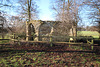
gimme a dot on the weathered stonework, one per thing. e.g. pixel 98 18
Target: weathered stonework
pixel 48 28
pixel 2 21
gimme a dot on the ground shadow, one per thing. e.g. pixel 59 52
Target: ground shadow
pixel 70 51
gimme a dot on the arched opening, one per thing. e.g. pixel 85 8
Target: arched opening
pixel 31 31
pixel 44 30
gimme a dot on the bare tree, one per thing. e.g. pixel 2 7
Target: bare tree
pixel 4 3
pixel 28 9
pixel 17 25
pixel 95 12
pixel 68 13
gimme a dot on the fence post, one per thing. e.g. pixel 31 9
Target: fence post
pixel 51 33
pixel 18 41
pixel 13 37
pixel 51 41
pixel 92 44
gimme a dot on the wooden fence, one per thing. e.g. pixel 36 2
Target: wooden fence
pixel 69 40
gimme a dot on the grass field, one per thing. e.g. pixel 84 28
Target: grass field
pixel 18 57
pixel 94 34
pixel 7 36
pixel 25 58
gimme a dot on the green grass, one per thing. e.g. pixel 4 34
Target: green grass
pixel 94 34
pixel 5 41
pixel 47 59
pixel 7 36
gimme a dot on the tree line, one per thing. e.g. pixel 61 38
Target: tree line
pixel 66 11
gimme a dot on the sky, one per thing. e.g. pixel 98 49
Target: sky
pixel 46 13
pixel 45 10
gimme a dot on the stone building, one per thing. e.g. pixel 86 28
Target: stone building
pixel 2 22
pixel 45 29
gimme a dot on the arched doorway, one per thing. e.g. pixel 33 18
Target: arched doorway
pixel 31 31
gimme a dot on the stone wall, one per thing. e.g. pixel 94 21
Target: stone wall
pixel 48 28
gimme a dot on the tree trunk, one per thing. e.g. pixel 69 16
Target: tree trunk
pixel 99 30
pixel 99 24
pixel 63 15
pixel 76 29
pixel 27 31
pixel 28 35
pixel 2 32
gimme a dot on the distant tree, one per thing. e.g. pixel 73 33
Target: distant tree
pixel 95 12
pixel 68 13
pixel 81 28
pixel 17 25
pixel 4 12
pixel 28 9
pixel 92 28
pixel 4 3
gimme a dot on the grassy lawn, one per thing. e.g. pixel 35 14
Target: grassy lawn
pixel 95 34
pixel 4 42
pixel 25 58
pixel 7 36
pixel 51 59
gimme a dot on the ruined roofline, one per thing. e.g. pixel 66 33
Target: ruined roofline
pixel 97 21
pixel 43 21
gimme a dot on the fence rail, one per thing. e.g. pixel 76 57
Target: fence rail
pixel 57 38
pixel 89 40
